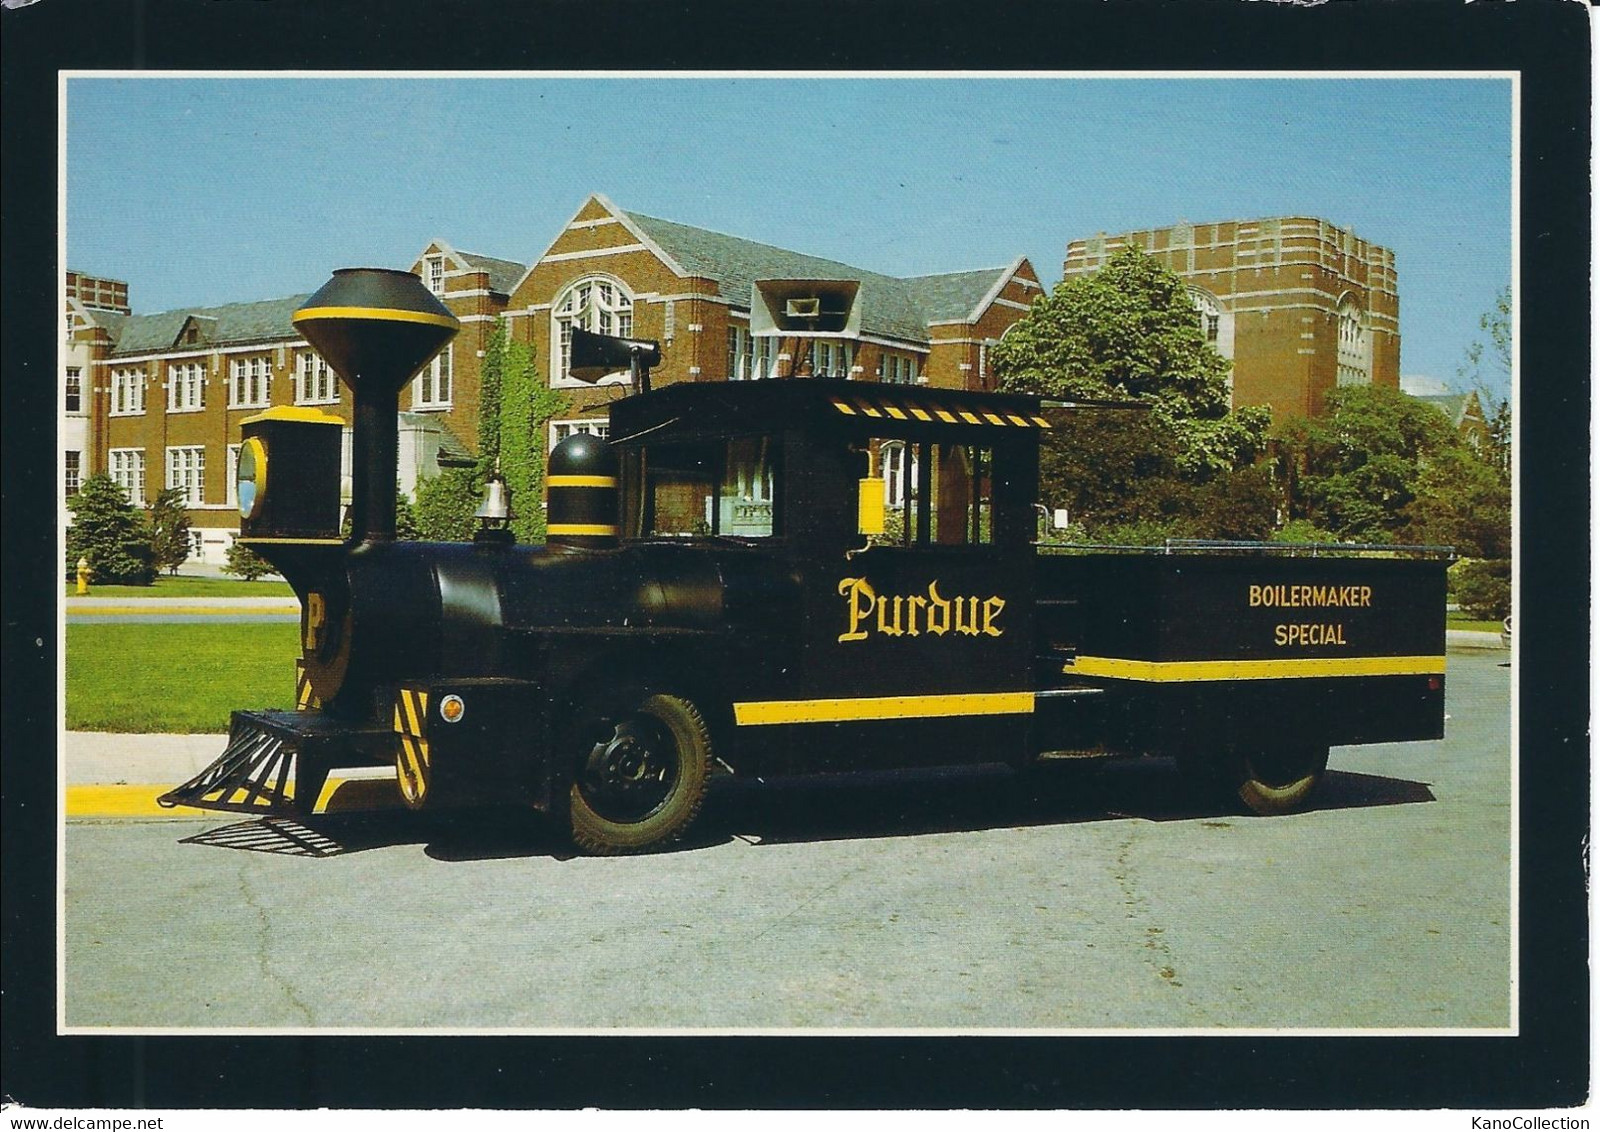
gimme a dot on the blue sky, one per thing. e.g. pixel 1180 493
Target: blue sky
pixel 205 191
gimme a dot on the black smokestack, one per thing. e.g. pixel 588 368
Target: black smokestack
pixel 376 327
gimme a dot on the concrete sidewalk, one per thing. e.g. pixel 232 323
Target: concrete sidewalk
pixel 120 776
pixel 1473 639
pixel 156 604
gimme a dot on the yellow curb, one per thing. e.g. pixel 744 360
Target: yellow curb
pixel 162 610
pixel 123 800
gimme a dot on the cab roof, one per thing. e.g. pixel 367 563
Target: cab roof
pixel 703 410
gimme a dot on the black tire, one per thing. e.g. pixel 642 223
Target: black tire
pixel 639 773
pixel 1268 783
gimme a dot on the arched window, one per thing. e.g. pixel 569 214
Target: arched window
pixel 598 303
pixel 1210 313
pixel 1355 366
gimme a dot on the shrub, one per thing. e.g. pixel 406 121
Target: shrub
pixel 246 563
pixel 1483 587
pixel 111 533
pixel 445 505
pixel 169 530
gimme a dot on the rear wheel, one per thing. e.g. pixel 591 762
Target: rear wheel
pixel 640 775
pixel 1274 781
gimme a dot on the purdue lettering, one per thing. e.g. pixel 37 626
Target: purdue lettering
pixel 902 615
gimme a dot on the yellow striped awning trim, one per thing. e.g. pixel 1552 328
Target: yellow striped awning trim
pixel 1166 671
pixel 930 410
pixel 581 481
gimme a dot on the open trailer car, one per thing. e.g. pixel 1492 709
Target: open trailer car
pixel 730 588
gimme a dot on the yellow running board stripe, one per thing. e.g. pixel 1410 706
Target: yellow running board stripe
pixel 882 707
pixel 1117 668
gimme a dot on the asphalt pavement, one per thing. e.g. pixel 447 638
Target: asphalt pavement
pixel 962 901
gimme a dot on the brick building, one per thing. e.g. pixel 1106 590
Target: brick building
pixel 93 310
pixel 170 389
pixel 730 309
pixel 1299 305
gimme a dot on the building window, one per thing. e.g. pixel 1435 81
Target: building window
pixel 560 430
pixel 74 471
pixel 186 387
pixel 431 389
pixel 197 544
pixel 598 304
pixel 764 357
pixel 1354 367
pixel 1213 327
pixel 314 380
pixel 898 472
pixel 73 390
pixel 831 359
pixel 232 482
pixel 433 272
pixel 738 353
pixel 127 392
pixel 898 369
pixel 250 383
pixel 186 471
pixel 127 472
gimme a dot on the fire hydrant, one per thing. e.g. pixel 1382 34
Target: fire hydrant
pixel 83 575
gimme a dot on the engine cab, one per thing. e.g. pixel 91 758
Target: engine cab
pixel 904 517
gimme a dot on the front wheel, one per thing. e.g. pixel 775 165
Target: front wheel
pixel 640 775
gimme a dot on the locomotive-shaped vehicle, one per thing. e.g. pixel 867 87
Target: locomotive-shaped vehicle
pixel 727 588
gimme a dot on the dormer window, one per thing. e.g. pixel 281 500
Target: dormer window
pixel 433 273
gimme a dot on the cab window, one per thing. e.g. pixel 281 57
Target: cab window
pixel 711 488
pixel 935 494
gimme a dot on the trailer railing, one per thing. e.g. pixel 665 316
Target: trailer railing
pixel 1282 549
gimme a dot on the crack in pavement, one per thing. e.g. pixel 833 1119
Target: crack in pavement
pixel 1160 955
pixel 262 948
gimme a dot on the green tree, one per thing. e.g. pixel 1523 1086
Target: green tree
pixel 111 533
pixel 169 530
pixel 1131 331
pixel 1486 370
pixel 1463 502
pixel 1482 587
pixel 1354 470
pixel 245 563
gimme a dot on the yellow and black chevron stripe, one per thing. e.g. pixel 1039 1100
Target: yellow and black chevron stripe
pixel 413 766
pixel 932 410
pixel 304 698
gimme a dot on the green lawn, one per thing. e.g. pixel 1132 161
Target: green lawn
pixel 1455 619
pixel 182 678
pixel 182 586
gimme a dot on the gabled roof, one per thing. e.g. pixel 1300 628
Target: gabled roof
pixel 897 308
pixel 452 453
pixel 109 321
pixel 235 324
pixel 503 273
pixel 1453 405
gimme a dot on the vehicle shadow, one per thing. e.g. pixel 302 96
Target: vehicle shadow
pixel 956 801
pixel 823 808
